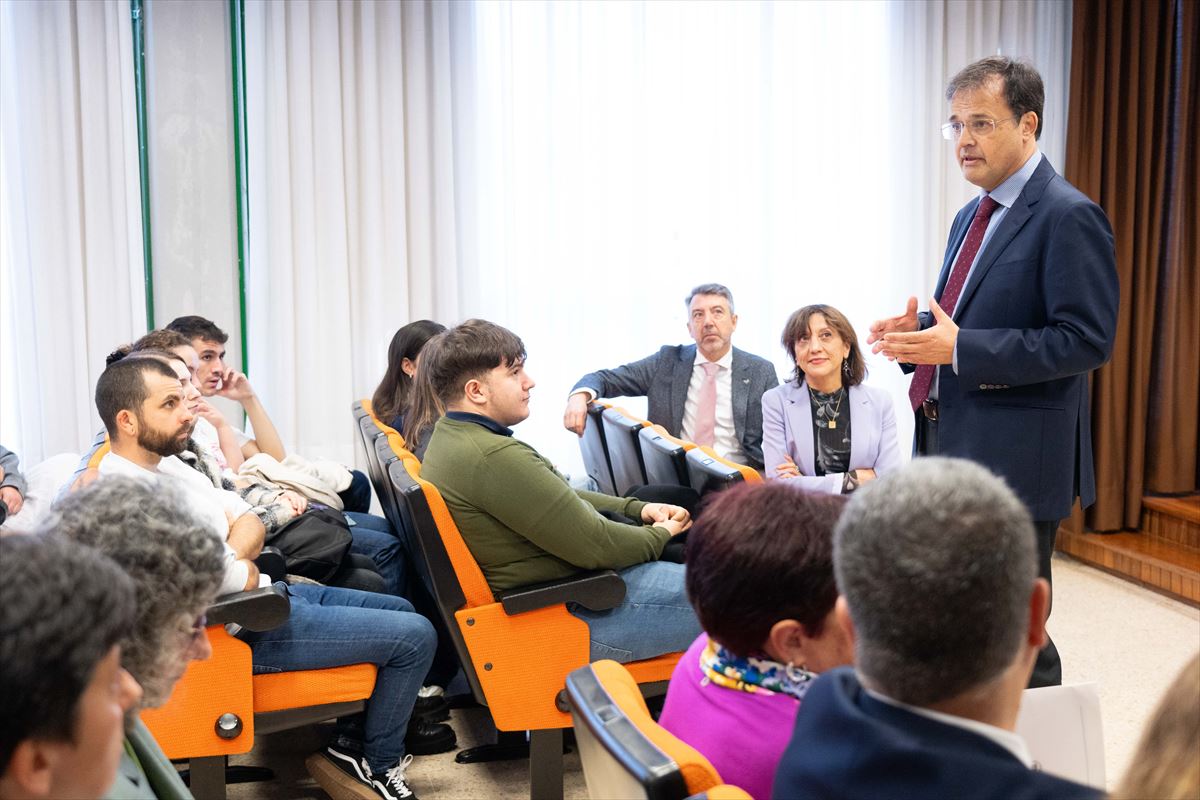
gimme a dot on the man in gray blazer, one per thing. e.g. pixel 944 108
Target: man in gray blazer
pixel 679 379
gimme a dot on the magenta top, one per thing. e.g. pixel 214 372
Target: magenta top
pixel 743 734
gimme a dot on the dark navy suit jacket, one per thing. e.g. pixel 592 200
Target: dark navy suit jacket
pixel 1037 315
pixel 848 745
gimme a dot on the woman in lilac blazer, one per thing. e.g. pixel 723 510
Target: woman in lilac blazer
pixel 824 429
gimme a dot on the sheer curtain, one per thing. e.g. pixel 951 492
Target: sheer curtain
pixel 615 154
pixel 70 216
pixel 351 204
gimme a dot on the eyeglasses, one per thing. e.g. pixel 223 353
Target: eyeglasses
pixel 980 128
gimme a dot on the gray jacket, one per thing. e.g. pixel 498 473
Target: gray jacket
pixel 12 474
pixel 663 380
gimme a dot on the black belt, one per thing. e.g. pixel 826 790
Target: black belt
pixel 930 409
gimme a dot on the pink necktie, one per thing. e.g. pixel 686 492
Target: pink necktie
pixel 706 406
pixel 918 390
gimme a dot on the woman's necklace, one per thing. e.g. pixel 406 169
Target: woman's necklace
pixel 832 415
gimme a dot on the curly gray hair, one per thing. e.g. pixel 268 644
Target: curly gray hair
pixel 174 560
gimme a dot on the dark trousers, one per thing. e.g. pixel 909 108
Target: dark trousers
pixel 1047 670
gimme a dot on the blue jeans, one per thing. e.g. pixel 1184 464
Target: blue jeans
pixel 373 537
pixel 655 617
pixel 331 627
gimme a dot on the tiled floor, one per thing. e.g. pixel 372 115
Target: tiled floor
pixel 1129 640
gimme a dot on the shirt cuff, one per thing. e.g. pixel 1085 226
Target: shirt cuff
pixel 589 392
pixel 954 358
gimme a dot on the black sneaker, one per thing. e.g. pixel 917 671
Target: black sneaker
pixel 348 756
pixel 424 738
pixel 391 784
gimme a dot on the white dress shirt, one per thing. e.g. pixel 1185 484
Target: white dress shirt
pixel 725 441
pixel 1010 741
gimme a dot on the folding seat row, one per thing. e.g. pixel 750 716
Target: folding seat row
pixel 621 451
pixel 516 647
pixel 219 706
pixel 624 752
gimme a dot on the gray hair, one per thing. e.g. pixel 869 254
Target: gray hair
pixel 709 288
pixel 174 560
pixel 1023 88
pixel 936 563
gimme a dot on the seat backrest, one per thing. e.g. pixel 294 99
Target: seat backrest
pixel 624 752
pixel 1061 725
pixel 664 456
pixel 708 472
pixel 368 430
pixel 624 453
pixel 457 581
pixel 595 449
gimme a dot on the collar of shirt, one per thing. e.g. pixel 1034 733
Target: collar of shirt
pixel 1010 741
pixel 725 362
pixel 1006 193
pixel 480 419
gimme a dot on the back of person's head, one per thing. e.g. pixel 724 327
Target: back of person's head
pixel 174 560
pixel 424 407
pixel 1166 765
pixel 937 563
pixel 64 609
pixel 392 395
pixel 122 386
pixel 162 340
pixel 759 554
pixel 469 351
pixel 194 327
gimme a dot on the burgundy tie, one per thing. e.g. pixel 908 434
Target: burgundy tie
pixel 918 390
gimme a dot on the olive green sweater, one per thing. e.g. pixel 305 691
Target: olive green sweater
pixel 520 518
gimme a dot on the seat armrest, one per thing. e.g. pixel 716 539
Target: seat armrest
pixel 597 591
pixel 271 562
pixel 258 609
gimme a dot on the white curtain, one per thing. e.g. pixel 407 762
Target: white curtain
pixel 351 216
pixel 70 216
pixel 622 152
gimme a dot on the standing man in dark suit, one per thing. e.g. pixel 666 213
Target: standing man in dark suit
pixel 937 572
pixel 1025 308
pixel 709 393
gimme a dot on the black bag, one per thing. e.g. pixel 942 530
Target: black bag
pixel 315 544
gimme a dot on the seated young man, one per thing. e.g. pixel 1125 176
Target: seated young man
pixel 216 379
pixel 64 610
pixel 522 521
pixel 142 402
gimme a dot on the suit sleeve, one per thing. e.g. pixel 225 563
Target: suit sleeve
pixel 12 472
pixel 888 458
pixel 774 438
pixel 1080 292
pixel 628 380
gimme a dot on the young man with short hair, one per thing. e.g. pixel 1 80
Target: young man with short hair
pixel 521 519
